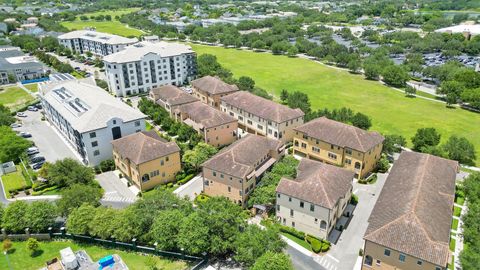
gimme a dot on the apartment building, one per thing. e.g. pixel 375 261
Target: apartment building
pixel 170 97
pixel 146 65
pixel 339 144
pixel 16 66
pixel 216 128
pixel 235 171
pixel 88 117
pixel 261 116
pixel 210 89
pixel 146 159
pixel 409 227
pixel 315 199
pixel 82 41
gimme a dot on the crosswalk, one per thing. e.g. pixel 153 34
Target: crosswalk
pixel 115 197
pixel 326 262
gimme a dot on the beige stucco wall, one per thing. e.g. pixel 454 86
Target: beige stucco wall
pixel 210 100
pixel 221 135
pixel 392 262
pixel 218 184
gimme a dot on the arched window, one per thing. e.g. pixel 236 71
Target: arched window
pixel 357 165
pixel 368 260
pixel 323 224
pixel 145 177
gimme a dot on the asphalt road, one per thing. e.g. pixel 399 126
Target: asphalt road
pixel 302 262
pixel 191 189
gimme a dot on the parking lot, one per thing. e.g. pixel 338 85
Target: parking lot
pixel 46 139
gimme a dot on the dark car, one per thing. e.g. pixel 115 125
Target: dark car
pixel 38 165
pixel 25 134
pixel 38 105
pixel 37 159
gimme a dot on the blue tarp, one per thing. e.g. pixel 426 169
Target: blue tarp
pixel 106 261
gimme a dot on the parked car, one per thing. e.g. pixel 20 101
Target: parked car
pixel 38 165
pixel 21 114
pixel 38 106
pixel 32 151
pixel 24 134
pixel 32 108
pixel 37 159
pixel 16 125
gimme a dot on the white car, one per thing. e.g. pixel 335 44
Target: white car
pixel 21 114
pixel 32 151
pixel 32 108
pixel 16 125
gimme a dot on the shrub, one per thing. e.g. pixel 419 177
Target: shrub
pixel 201 198
pixel 292 231
pixel 325 246
pixel 185 179
pixel 354 199
pixel 360 252
pixel 107 165
pixel 314 243
pixel 169 185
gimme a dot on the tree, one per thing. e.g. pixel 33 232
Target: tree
pixel 79 219
pixel 67 172
pixel 14 219
pixel 40 215
pixel 472 97
pixel 382 165
pixel 199 154
pixel 425 137
pixel 371 70
pixel 354 64
pixel 395 76
pixel 362 121
pixel 299 100
pixel 76 195
pixel 193 234
pixel 102 225
pixel 254 242
pixel 7 245
pixel 259 45
pixel 450 87
pixel 292 51
pixel 410 91
pixel 284 95
pixel 460 149
pixel 207 65
pixel 393 143
pixel 451 99
pixel 246 83
pixel 273 261
pixel 165 228
pixel 6 118
pixel 32 245
pixel 12 146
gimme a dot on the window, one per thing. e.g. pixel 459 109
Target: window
pixel 348 151
pixel 368 260
pixel 229 189
pixel 249 122
pixel 419 262
pixel 316 220
pixel 332 156
pixel 291 212
pixel 379 262
pixel 323 225
pixel 348 161
pixel 94 144
pixel 302 204
pixel 221 175
pixel 289 199
pixel 93 134
pixel 312 207
pixel 96 153
pixel 214 173
pixel 278 195
pixel 438 268
pixel 304 145
pixel 161 162
pixel 386 252
pixel 293 224
pixel 260 127
pixel 137 123
pixel 401 257
pixel 166 159
pixel 315 149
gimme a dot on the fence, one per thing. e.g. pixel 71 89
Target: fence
pixel 133 246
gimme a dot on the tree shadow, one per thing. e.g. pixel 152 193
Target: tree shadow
pixel 410 96
pixel 11 251
pixel 36 253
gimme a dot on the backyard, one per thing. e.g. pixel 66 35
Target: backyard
pixel 327 87
pixel 113 27
pixel 32 87
pixel 14 97
pixel 14 181
pixel 20 257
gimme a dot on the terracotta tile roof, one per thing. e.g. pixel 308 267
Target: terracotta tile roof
pixel 318 183
pixel 240 158
pixel 205 115
pixel 413 213
pixel 261 107
pixel 213 85
pixel 144 146
pixel 341 134
pixel 171 95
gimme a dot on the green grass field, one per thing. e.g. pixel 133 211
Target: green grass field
pixel 13 180
pixel 391 111
pixel 454 224
pixel 112 27
pixel 20 257
pixel 14 97
pixel 457 211
pixel 32 87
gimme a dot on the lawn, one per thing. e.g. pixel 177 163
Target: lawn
pixel 14 180
pixel 391 111
pixel 452 243
pixel 454 224
pixel 299 241
pixel 457 211
pixel 20 257
pixel 32 87
pixel 14 97
pixel 112 27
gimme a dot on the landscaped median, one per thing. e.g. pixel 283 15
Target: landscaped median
pixel 17 181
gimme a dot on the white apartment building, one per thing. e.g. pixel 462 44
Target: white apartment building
pixel 261 116
pixel 146 65
pixel 98 43
pixel 88 117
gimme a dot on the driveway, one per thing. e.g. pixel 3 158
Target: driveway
pixel 90 69
pixel 117 194
pixel 191 189
pixel 50 143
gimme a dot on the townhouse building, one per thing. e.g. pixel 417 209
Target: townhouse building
pixel 170 97
pixel 216 128
pixel 315 199
pixel 146 159
pixel 16 66
pixel 210 89
pixel 88 118
pixel 235 171
pixel 409 227
pixel 82 41
pixel 339 144
pixel 146 65
pixel 261 116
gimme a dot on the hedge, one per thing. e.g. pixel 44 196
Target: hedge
pixel 318 245
pixel 186 179
pixel 292 231
pixel 40 192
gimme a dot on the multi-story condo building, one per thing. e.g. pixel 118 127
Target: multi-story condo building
pixel 170 97
pixel 217 128
pixel 235 170
pixel 315 199
pixel 88 117
pixel 210 89
pixel 409 227
pixel 82 41
pixel 261 116
pixel 339 144
pixel 16 66
pixel 147 65
pixel 146 159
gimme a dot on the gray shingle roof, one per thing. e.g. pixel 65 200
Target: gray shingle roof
pixel 213 85
pixel 413 213
pixel 144 146
pixel 317 183
pixel 341 134
pixel 205 115
pixel 172 95
pixel 239 158
pixel 262 107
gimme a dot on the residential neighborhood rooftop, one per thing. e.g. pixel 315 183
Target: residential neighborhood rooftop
pixel 98 37
pixel 240 158
pixel 205 115
pixel 172 95
pixel 213 85
pixel 341 134
pixel 318 183
pixel 138 50
pixel 413 214
pixel 262 107
pixel 144 146
pixel 13 57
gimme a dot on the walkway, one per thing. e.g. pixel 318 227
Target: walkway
pixel 458 237
pixel 191 189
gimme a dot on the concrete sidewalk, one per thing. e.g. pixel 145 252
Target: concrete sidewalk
pixel 191 189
